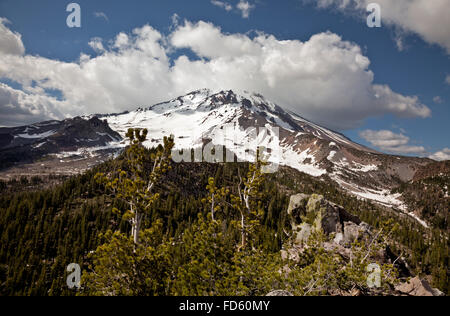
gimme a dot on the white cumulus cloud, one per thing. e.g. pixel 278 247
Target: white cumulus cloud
pixel 10 42
pixel 96 44
pixel 442 155
pixel 18 107
pixel 325 79
pixel 430 19
pixel 391 142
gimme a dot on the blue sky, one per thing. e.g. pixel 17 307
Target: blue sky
pixel 419 69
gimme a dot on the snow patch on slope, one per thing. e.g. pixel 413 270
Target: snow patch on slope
pixel 36 136
pixel 418 219
pixel 90 151
pixel 298 161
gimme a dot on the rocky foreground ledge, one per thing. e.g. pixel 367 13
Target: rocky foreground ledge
pixel 312 213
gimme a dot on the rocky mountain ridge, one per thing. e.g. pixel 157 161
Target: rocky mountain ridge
pixel 26 144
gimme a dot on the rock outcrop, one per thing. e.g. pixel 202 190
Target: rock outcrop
pixel 310 213
pixel 418 287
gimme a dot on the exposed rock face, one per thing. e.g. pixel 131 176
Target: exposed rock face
pixel 418 287
pixel 296 205
pixel 431 170
pixel 312 213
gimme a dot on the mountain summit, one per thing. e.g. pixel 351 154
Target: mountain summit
pixel 305 146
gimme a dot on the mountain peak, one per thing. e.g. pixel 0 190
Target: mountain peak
pixel 202 116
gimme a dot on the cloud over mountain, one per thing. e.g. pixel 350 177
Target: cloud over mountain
pixel 441 155
pixel 391 142
pixel 326 79
pixel 17 106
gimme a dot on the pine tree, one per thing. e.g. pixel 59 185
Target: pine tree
pixel 122 268
pixel 246 202
pixel 132 185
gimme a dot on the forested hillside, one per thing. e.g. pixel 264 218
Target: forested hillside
pixel 43 231
pixel 428 198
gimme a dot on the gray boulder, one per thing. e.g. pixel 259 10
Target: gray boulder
pixel 309 213
pixel 353 232
pixel 418 287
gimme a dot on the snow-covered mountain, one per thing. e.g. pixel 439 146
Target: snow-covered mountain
pixel 224 118
pixel 305 146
